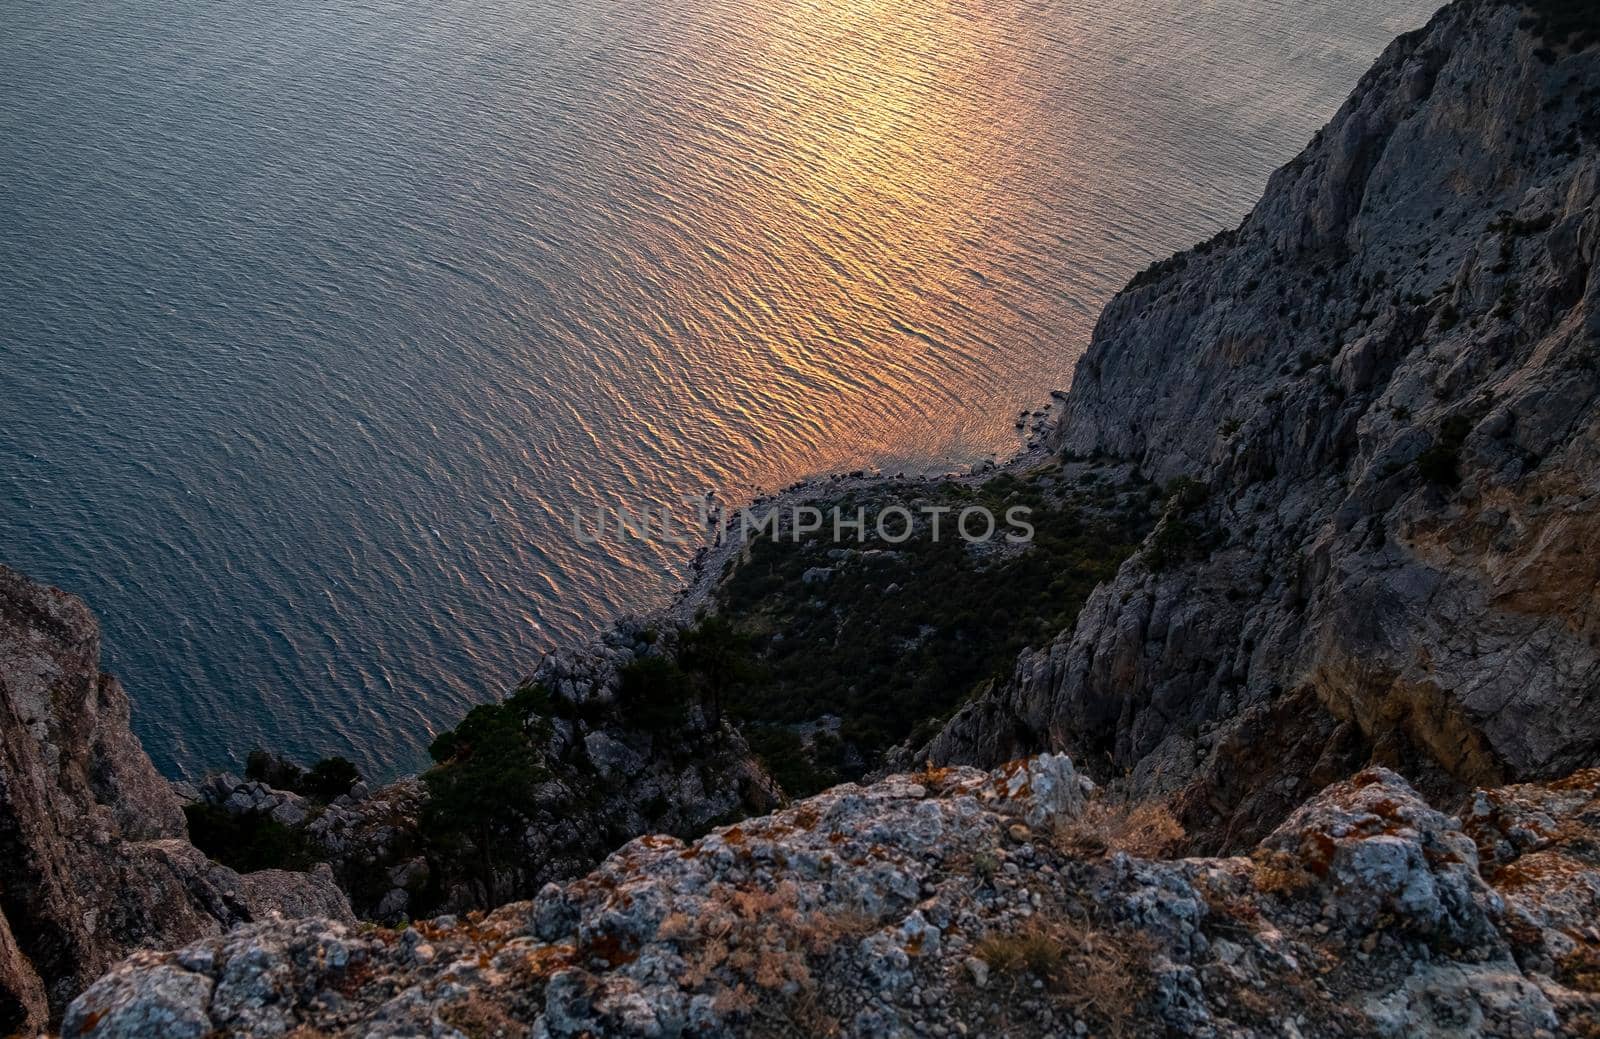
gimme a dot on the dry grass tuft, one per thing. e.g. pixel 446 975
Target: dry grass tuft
pixel 1033 950
pixel 757 948
pixel 1580 969
pixel 1279 873
pixel 1099 975
pixel 1147 830
pixel 799 1017
pixel 479 1018
pixel 933 777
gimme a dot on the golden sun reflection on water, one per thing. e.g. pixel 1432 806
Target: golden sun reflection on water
pixel 837 243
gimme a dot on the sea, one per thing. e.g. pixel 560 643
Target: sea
pixel 323 323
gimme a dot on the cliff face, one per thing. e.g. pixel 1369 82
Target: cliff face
pixel 1382 386
pixel 94 860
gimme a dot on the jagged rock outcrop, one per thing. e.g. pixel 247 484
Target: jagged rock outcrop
pixel 605 776
pixel 949 902
pixel 677 778
pixel 1381 392
pixel 93 856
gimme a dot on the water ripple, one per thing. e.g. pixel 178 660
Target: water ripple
pixel 318 318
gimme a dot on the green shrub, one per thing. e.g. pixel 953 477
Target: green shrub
pixel 324 781
pixel 330 778
pixel 656 694
pixel 893 663
pixel 248 841
pixel 483 785
pixel 1179 537
pixel 1175 540
pixel 784 755
pixel 1186 494
pixel 263 766
pixel 720 659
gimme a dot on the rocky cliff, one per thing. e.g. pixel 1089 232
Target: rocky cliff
pixel 1372 410
pixel 1374 403
pixel 94 860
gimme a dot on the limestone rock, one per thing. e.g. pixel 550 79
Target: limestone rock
pixel 903 908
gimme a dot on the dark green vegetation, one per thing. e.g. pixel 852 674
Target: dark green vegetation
pixel 1159 270
pixel 655 694
pixel 1179 536
pixel 501 773
pixel 330 778
pixel 713 658
pixel 1564 23
pixel 247 842
pixel 719 659
pixel 324 781
pixel 894 637
pixel 482 790
pixel 253 840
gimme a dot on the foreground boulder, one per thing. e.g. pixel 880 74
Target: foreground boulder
pixel 958 902
pixel 94 860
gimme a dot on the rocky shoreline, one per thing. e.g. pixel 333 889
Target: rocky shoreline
pixel 711 562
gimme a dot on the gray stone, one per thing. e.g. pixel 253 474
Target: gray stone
pixel 159 1000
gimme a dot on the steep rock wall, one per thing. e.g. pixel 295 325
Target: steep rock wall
pixel 1385 379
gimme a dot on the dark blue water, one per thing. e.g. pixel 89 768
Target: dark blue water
pixel 317 318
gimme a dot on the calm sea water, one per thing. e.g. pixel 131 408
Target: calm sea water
pixel 318 317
